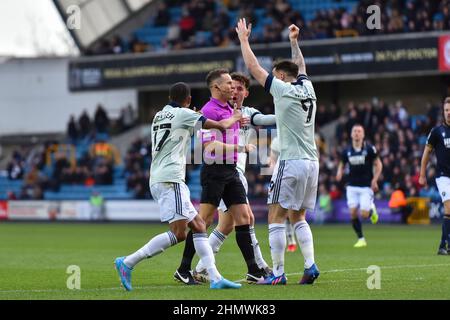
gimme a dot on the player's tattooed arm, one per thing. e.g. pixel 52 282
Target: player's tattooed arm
pixel 297 56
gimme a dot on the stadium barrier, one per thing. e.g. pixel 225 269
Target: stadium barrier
pixel 339 214
pixel 413 54
pixel 116 210
pixel 148 210
pixel 3 210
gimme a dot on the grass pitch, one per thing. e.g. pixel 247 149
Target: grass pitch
pixel 34 258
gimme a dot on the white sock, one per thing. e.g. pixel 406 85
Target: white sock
pixel 257 250
pixel 277 241
pixel 203 249
pixel 216 239
pixel 305 241
pixel 154 247
pixel 290 233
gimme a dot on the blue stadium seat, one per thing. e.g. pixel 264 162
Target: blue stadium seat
pixel 234 15
pixel 203 37
pixel 175 13
pixel 308 8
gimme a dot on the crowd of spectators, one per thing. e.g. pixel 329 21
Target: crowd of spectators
pixel 27 164
pixel 101 124
pixel 208 23
pixel 137 168
pixel 48 166
pixel 85 158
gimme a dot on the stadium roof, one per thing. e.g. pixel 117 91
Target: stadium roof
pixel 97 17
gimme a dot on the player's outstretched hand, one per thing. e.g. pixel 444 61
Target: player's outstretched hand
pixel 294 31
pixel 243 30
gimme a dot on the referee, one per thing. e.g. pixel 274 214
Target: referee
pixel 220 178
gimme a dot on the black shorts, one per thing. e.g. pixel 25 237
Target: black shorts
pixel 221 181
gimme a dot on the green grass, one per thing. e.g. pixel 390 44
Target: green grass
pixel 34 259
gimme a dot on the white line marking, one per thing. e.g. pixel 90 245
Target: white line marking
pixel 364 269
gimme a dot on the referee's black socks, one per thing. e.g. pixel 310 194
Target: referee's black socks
pixel 244 242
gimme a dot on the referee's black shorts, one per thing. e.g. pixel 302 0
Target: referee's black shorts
pixel 221 181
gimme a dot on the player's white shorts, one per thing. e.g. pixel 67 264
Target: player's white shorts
pixel 361 197
pixel 222 205
pixel 443 184
pixel 294 184
pixel 174 200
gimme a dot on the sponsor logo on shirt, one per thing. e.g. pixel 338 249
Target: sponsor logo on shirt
pixel 164 115
pixel 357 160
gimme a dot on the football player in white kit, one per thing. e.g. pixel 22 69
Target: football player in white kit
pixel 294 182
pixel 171 129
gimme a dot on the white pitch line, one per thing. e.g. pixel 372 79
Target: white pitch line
pixel 365 269
pixel 241 280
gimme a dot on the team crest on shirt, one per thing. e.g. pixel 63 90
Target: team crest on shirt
pixel 443 193
pixel 447 142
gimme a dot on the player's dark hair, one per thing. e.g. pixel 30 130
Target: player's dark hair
pixel 358 125
pixel 287 66
pixel 214 75
pixel 242 78
pixel 179 92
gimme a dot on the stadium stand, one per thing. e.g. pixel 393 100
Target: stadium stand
pixel 181 25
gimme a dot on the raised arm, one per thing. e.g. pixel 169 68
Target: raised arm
pixel 297 56
pixel 249 57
